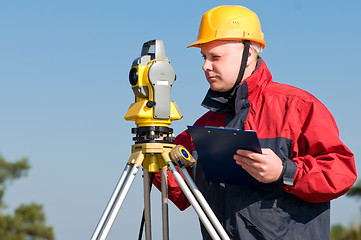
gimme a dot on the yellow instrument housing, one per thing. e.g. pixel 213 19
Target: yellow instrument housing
pixel 143 115
pixel 152 77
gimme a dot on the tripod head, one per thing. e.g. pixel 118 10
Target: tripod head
pixel 152 77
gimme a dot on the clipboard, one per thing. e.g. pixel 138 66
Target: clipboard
pixel 216 148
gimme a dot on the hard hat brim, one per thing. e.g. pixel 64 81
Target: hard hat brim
pixel 199 43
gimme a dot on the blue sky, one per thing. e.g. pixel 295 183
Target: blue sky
pixel 64 92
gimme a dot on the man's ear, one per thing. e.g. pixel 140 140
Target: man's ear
pixel 252 56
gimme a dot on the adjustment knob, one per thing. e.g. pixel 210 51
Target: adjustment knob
pixel 150 104
pixel 180 156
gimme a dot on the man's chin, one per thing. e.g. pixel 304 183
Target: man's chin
pixel 218 89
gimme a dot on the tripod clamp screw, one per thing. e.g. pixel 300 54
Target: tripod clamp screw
pixel 181 157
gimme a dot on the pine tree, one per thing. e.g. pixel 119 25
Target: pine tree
pixel 28 221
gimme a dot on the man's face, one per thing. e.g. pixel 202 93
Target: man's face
pixel 222 60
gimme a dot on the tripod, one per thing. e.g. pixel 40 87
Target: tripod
pixel 156 155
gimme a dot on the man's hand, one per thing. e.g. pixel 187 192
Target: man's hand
pixel 266 167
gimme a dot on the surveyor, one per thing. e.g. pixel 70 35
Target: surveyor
pixel 303 164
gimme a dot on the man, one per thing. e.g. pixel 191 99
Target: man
pixel 303 164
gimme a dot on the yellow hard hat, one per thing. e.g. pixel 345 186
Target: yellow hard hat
pixel 229 22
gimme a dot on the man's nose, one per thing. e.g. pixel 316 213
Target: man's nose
pixel 207 65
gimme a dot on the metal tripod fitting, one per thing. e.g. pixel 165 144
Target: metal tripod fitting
pixel 152 152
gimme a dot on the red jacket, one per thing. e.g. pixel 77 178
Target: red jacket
pixel 301 131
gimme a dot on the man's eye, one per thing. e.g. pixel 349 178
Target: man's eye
pixel 212 58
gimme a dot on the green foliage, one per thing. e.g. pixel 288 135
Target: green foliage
pixel 28 221
pixel 9 172
pixel 353 231
pixel 339 232
pixel 355 191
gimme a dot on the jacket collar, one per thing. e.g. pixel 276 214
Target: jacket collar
pixel 256 83
pixel 249 89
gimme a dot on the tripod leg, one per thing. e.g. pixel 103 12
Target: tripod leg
pixel 115 202
pixel 202 216
pixel 217 225
pixel 164 188
pixel 111 202
pixel 147 218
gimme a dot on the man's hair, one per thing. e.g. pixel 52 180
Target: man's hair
pixel 256 46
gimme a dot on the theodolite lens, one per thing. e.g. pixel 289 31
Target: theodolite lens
pixel 133 76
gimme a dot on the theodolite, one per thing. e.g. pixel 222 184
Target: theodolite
pixel 152 77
